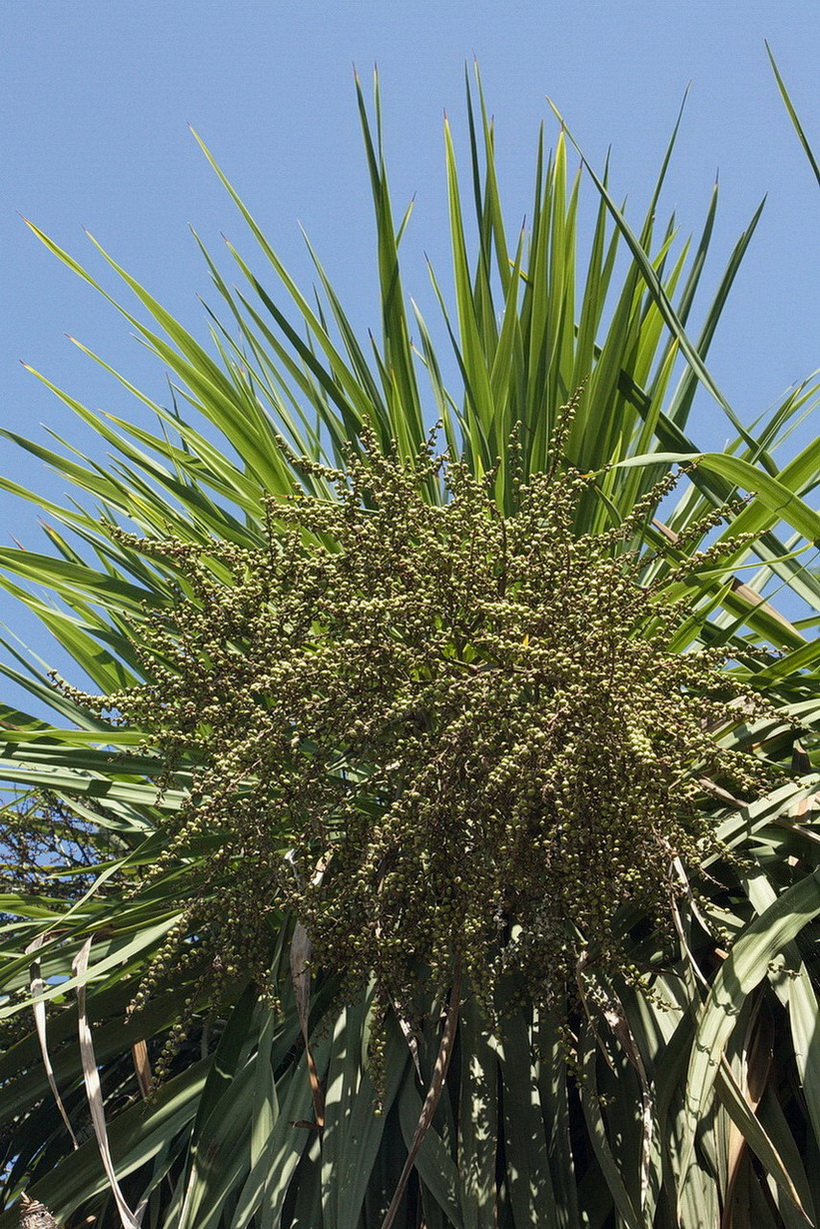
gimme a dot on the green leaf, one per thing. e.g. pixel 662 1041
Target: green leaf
pixel 744 969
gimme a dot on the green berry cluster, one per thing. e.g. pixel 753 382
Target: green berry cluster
pixel 432 730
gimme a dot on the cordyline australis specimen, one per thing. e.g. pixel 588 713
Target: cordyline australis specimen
pixel 434 732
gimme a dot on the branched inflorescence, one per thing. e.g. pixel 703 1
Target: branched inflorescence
pixel 431 731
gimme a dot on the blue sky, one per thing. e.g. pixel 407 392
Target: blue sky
pixel 98 96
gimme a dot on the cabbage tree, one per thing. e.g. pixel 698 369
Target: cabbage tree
pixel 424 832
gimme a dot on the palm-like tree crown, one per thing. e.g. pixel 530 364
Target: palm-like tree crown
pixel 441 831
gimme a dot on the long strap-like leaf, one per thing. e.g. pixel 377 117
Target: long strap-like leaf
pixel 300 953
pixel 91 1078
pixel 39 1008
pixel 445 1053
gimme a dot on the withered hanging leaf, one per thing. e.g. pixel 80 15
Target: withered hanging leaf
pixel 39 1006
pixel 300 953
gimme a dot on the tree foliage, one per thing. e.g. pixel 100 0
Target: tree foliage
pixel 358 729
